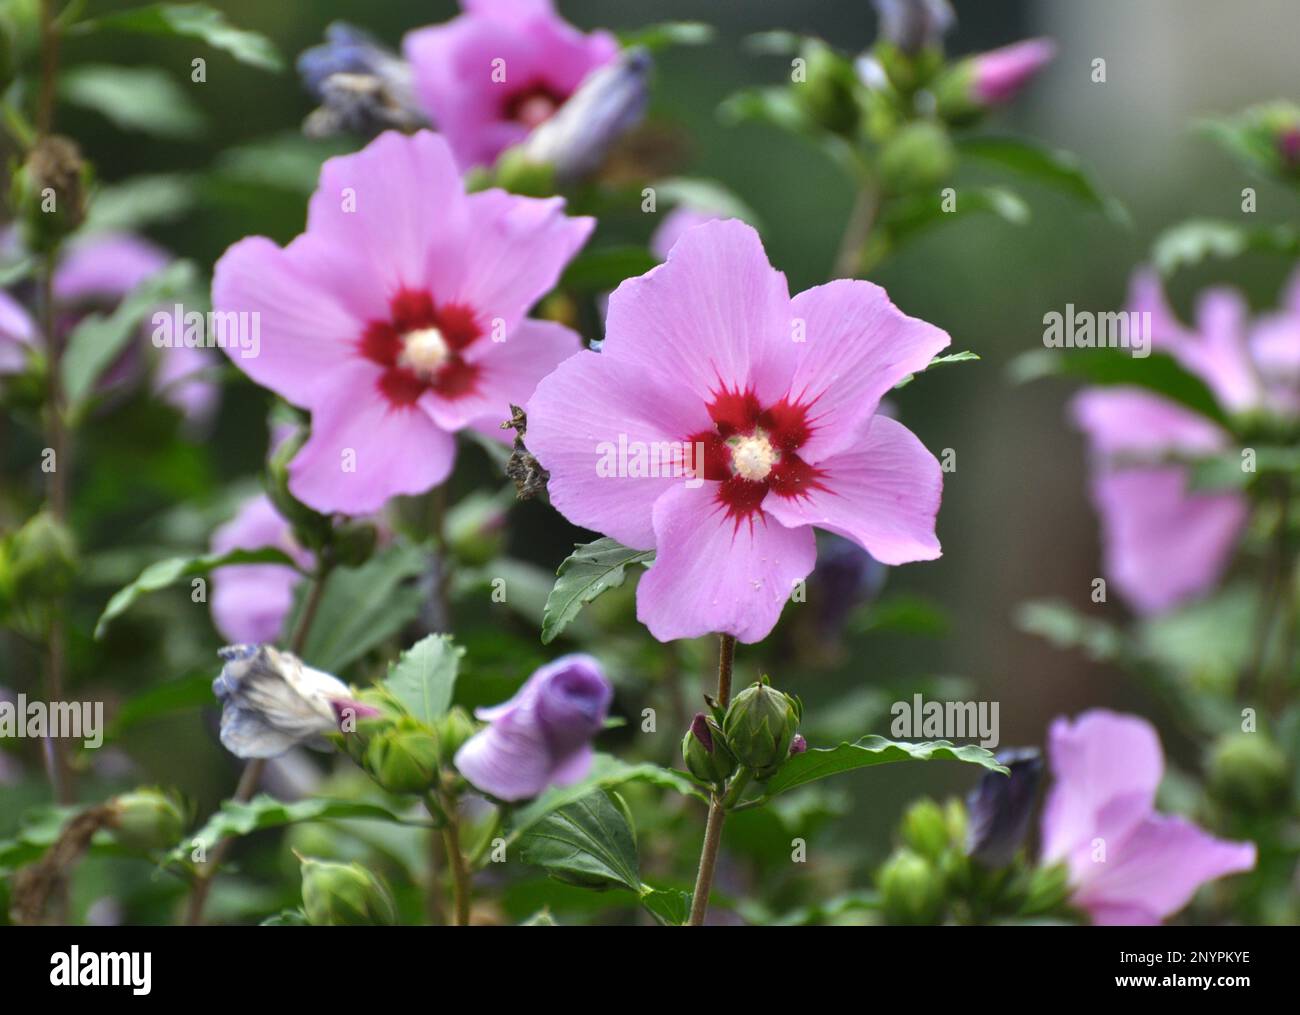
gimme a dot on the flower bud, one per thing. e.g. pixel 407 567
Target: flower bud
pixel 454 730
pixel 41 558
pixel 913 25
pixel 798 745
pixel 706 753
pixel 354 543
pixel 759 727
pixel 1000 807
pixel 344 895
pixel 311 529
pixel 911 889
pixel 828 93
pixel 146 819
pixel 49 192
pixel 476 529
pixel 990 79
pixel 1248 772
pixel 1288 149
pixel 920 156
pixel 925 829
pixel 403 758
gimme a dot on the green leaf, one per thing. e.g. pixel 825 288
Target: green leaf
pixel 821 763
pixel 603 270
pixel 286 161
pixel 1190 243
pixel 705 196
pixel 286 918
pixel 939 361
pixel 1056 169
pixel 98 340
pixel 1158 372
pixel 1227 471
pixel 134 98
pixel 163 699
pixel 140 201
pixel 1064 627
pixel 670 906
pixel 235 819
pixel 194 21
pixel 589 842
pixel 607 772
pixel 907 218
pixel 167 572
pixel 362 607
pixel 668 33
pixel 424 678
pixel 586 573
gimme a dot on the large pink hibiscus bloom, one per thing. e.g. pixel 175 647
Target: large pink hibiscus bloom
pixel 397 318
pixel 490 76
pixel 710 351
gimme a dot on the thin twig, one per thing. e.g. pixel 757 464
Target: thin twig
pixel 717 812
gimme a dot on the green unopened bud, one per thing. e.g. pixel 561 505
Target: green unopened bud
pixel 1248 772
pixel 925 829
pixel 41 558
pixel 827 94
pixel 476 529
pixel 759 726
pixel 311 529
pixel 706 753
pixel 920 156
pixel 404 758
pixel 911 889
pixel 49 192
pixel 454 729
pixel 344 895
pixel 146 819
pixel 354 543
pixel 1047 890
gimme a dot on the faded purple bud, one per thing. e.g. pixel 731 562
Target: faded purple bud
pixel 1288 148
pixel 914 25
pixel 1001 74
pixel 542 736
pixel 271 701
pixel 700 728
pixel 1000 807
pixel 798 745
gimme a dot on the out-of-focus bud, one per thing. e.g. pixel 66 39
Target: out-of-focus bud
pixel 49 192
pixel 1248 772
pixel 311 529
pixel 919 157
pixel 798 745
pixel 403 758
pixel 705 752
pixel 1000 807
pixel 914 25
pixel 476 528
pixel 41 558
pixel 759 727
pixel 990 79
pixel 911 889
pixel 364 87
pixel 925 829
pixel 846 577
pixel 146 819
pixel 828 93
pixel 1047 890
pixel 344 895
pixel 354 543
pixel 612 100
pixel 1288 148
pixel 454 730
pixel 271 702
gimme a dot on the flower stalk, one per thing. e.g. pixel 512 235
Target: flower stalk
pixel 717 809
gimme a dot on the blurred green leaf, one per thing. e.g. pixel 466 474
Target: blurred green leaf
pixel 1253 137
pixel 140 201
pixel 901 614
pixel 589 842
pixel 167 572
pixel 666 34
pixel 163 699
pixel 285 161
pixel 939 361
pixel 1056 169
pixel 424 678
pixel 134 98
pixel 586 573
pixel 1158 372
pixel 1190 243
pixel 195 21
pixel 286 918
pixel 705 196
pixel 602 270
pixel 906 218
pixel 1065 627
pixel 821 763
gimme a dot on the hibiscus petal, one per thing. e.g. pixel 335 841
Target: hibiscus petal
pixel 509 760
pixel 883 495
pixel 712 575
pixel 856 346
pixel 1133 421
pixel 716 314
pixel 576 420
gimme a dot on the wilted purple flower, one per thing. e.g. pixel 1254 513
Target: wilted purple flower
pixel 363 86
pixel 251 601
pixel 914 25
pixel 271 701
pixel 542 736
pixel 1127 864
pixel 1000 807
pixel 1001 74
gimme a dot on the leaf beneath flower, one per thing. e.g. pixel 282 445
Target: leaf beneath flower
pixel 872 750
pixel 586 573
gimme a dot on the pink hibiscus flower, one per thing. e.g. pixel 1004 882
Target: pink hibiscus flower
pixel 397 318
pixel 708 351
pixel 1127 864
pixel 251 601
pixel 1165 544
pixel 490 76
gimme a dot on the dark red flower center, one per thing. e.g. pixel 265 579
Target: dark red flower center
pixel 421 348
pixel 752 449
pixel 533 105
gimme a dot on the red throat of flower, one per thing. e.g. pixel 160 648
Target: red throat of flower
pixel 752 449
pixel 532 106
pixel 421 348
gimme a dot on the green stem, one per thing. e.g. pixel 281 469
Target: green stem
pixel 444 809
pixel 849 261
pixel 717 811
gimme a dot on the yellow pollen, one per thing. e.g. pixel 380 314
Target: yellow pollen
pixel 752 457
pixel 424 351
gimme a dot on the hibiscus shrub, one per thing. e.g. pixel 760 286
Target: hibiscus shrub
pixel 479 542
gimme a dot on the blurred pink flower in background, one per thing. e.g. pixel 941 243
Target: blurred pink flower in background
pixel 709 350
pixel 17 333
pixel 1127 863
pixel 398 317
pixel 490 76
pixel 251 601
